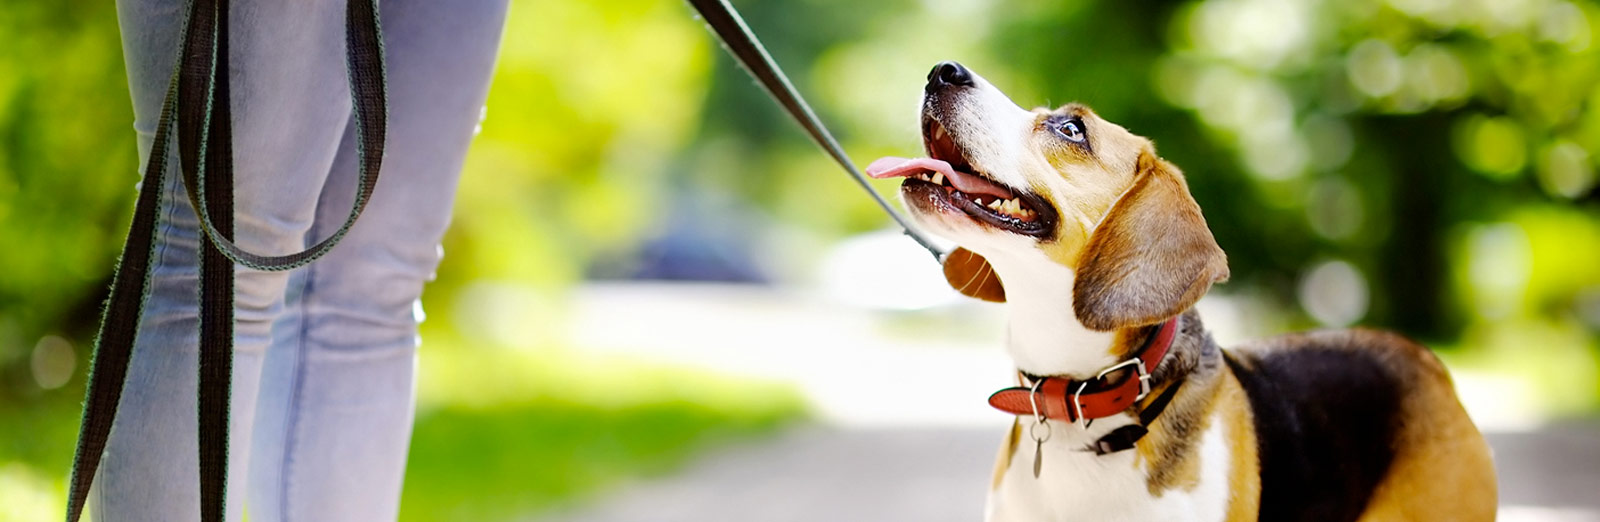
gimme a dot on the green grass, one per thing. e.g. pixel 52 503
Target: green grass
pixel 508 433
pixel 499 465
pixel 37 435
pixel 500 434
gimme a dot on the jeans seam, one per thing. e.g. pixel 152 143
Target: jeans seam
pixel 165 230
pixel 296 387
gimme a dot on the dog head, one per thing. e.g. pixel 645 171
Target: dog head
pixel 1059 186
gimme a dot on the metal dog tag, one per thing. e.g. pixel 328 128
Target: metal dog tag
pixel 1038 456
pixel 1038 443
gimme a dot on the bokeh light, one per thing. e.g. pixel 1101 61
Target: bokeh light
pixel 1334 293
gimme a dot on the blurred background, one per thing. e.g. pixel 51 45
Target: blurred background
pixel 660 302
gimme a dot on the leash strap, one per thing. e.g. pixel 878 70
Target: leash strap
pixel 737 38
pixel 216 282
pixel 197 101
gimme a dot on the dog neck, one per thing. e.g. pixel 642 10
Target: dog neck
pixel 1043 334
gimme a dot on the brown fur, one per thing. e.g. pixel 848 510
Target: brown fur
pixel 1442 468
pixel 1092 181
pixel 1244 479
pixel 1152 258
pixel 1171 449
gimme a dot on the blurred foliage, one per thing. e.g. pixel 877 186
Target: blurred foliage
pixel 589 105
pixel 1424 165
pixel 1371 131
pixel 67 170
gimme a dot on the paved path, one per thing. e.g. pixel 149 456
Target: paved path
pixel 886 457
pixel 814 474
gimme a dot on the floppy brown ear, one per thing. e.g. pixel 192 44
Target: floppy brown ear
pixel 1151 257
pixel 970 274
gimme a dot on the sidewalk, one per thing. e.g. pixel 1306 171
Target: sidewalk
pixel 818 474
pixel 879 452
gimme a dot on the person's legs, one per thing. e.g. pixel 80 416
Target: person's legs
pixel 335 413
pixel 290 104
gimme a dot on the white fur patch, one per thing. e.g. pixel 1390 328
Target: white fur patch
pixel 1043 334
pixel 1076 485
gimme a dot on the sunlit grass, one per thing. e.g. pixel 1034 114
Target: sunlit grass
pixel 36 440
pixel 500 434
pixel 26 494
pixel 508 463
pixel 504 433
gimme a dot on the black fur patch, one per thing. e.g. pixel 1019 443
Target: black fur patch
pixel 1326 416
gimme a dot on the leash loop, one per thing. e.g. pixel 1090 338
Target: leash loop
pixel 369 108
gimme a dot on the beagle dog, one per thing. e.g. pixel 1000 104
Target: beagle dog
pixel 1126 408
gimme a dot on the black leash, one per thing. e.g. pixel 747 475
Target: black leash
pixel 197 103
pixel 747 49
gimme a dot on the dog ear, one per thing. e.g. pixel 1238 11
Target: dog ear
pixel 970 274
pixel 1151 257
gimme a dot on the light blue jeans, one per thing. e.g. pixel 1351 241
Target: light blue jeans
pixel 323 382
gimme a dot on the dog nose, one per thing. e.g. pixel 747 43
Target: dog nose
pixel 946 74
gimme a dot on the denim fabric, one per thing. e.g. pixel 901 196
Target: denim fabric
pixel 325 359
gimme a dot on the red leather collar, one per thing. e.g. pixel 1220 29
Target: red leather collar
pixel 1095 398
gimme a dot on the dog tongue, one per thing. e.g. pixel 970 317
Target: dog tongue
pixel 892 167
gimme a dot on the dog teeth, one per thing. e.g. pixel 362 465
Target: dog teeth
pixel 938 178
pixel 1008 207
pixel 1011 207
pixel 938 132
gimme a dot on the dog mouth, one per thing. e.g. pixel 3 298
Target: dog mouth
pixel 948 177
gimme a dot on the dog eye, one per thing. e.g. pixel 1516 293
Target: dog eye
pixel 1072 130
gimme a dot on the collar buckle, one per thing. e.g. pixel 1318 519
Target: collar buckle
pixel 1143 374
